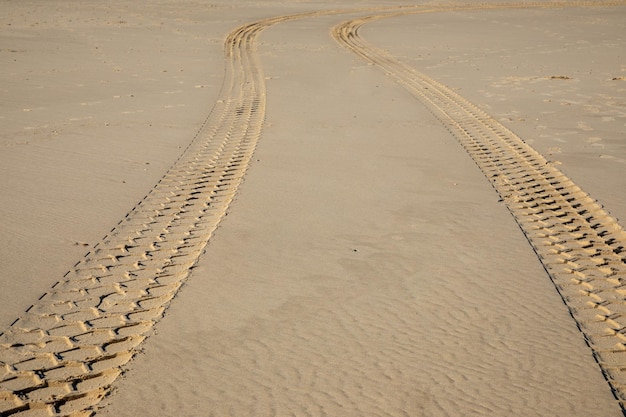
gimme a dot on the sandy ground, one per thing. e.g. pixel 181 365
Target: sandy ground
pixel 366 266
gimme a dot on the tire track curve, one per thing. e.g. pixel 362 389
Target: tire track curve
pixel 582 248
pixel 61 356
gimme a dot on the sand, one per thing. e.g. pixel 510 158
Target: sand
pixel 365 267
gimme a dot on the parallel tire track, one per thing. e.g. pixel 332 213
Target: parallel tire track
pixel 582 248
pixel 61 356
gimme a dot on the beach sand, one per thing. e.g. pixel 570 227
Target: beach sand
pixel 365 267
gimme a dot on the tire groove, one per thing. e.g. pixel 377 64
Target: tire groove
pixel 579 244
pixel 88 326
pixel 62 355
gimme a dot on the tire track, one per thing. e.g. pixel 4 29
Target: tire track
pixel 582 248
pixel 61 356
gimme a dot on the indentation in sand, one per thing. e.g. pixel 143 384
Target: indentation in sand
pixel 595 141
pixel 554 149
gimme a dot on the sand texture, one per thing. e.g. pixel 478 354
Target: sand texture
pixel 312 209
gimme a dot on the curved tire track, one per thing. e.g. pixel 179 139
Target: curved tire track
pixel 61 356
pixel 582 248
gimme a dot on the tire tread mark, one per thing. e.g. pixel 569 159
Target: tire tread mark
pixel 581 247
pixel 62 355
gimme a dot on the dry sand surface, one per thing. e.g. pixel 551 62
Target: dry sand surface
pixel 375 260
